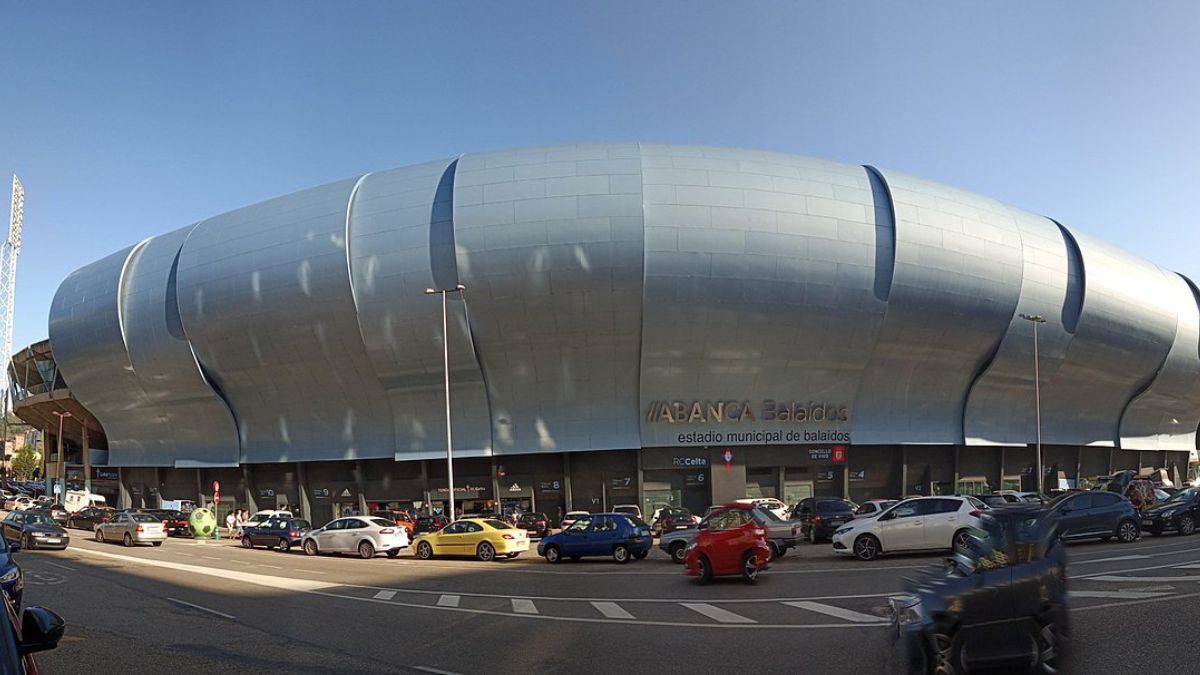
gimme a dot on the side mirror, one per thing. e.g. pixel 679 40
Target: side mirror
pixel 14 547
pixel 703 525
pixel 41 629
pixel 888 516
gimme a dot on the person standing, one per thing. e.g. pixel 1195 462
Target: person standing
pixel 230 521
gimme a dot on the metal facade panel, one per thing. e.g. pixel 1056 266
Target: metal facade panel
pixel 399 225
pixel 1000 408
pixel 86 335
pixel 203 429
pixel 265 299
pixel 549 245
pixel 956 284
pixel 761 273
pixel 1166 414
pixel 1125 330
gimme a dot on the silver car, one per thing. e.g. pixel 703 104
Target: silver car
pixel 365 535
pixel 132 528
pixel 781 534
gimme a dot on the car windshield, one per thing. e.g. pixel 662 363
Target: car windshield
pixel 143 518
pixel 677 511
pixel 764 511
pixel 1183 495
pixel 34 518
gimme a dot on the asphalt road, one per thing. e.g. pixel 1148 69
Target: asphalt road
pixel 204 607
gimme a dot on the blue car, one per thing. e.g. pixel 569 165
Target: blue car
pixel 12 581
pixel 620 535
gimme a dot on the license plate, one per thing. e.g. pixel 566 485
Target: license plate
pixel 53 541
pixel 836 522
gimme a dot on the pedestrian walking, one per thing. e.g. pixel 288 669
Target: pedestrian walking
pixel 230 521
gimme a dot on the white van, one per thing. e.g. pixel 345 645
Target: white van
pixel 79 499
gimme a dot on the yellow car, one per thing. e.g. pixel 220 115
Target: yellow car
pixel 484 538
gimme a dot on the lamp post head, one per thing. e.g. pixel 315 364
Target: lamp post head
pixel 61 414
pixel 1036 318
pixel 431 291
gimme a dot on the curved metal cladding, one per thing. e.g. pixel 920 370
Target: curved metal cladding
pixel 1165 415
pixel 86 334
pixel 1000 408
pixel 1125 330
pixel 201 425
pixel 766 285
pixel 956 284
pixel 401 242
pixel 549 245
pixel 265 299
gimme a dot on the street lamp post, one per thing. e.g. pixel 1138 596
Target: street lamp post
pixel 446 363
pixel 61 473
pixel 1035 319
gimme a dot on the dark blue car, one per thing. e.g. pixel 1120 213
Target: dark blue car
pixel 276 532
pixel 620 535
pixel 11 578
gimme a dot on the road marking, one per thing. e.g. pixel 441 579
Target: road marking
pixel 385 595
pixel 1163 580
pixel 1116 595
pixel 448 601
pixel 435 671
pixel 209 557
pixel 1116 559
pixel 1193 566
pixel 838 612
pixel 716 613
pixel 523 606
pixel 274 567
pixel 612 610
pixel 69 569
pixel 202 609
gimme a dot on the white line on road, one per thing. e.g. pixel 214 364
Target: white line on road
pixel 1116 559
pixel 716 613
pixel 1193 566
pixel 838 612
pixel 435 671
pixel 1116 595
pixel 612 610
pixel 448 601
pixel 1157 580
pixel 69 569
pixel 202 609
pixel 211 557
pixel 385 595
pixel 274 567
pixel 523 606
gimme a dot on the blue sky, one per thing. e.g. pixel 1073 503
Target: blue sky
pixel 131 119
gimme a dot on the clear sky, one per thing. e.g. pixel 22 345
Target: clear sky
pixel 128 119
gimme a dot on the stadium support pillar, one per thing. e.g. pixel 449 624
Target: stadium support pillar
pixel 359 484
pixel 87 460
pixel 567 482
pixel 903 471
pixel 251 493
pixel 305 495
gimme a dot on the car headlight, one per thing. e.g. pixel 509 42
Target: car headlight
pixel 11 575
pixel 1167 514
pixel 40 534
pixel 905 609
pixel 691 546
pixel 843 530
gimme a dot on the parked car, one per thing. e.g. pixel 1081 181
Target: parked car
pixel 1000 604
pixel 536 525
pixel 132 528
pixel 279 532
pixel 873 507
pixel 58 513
pixel 781 535
pixel 431 523
pixel 34 529
pixel 628 509
pixel 571 517
pixel 1018 496
pixel 365 535
pixel 620 535
pixel 484 538
pixel 729 542
pixel 914 524
pixel 18 503
pixel 1180 512
pixel 820 517
pixel 673 518
pixel 770 503
pixel 401 519
pixel 86 519
pixel 1096 514
pixel 24 633
pixel 259 518
pixel 176 521
pixel 12 579
pixel 996 500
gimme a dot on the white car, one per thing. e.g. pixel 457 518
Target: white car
pixel 18 503
pixel 365 535
pixel 628 509
pixel 771 504
pixel 573 516
pixel 921 523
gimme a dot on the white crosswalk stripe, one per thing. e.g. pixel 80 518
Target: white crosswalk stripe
pixel 837 612
pixel 716 613
pixel 385 595
pixel 1193 566
pixel 523 606
pixel 1144 580
pixel 448 601
pixel 612 610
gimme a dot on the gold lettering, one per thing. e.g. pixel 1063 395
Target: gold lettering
pixel 747 413
pixel 844 414
pixel 664 413
pixel 716 413
pixel 697 413
pixel 680 411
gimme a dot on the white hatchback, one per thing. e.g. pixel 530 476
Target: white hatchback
pixel 922 523
pixel 365 535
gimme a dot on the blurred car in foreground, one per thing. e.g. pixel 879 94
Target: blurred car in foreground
pixel 1000 603
pixel 88 518
pixel 820 517
pixel 279 532
pixel 920 523
pixel 729 542
pixel 1096 514
pixel 24 633
pixel 620 535
pixel 365 535
pixel 12 579
pixel 484 538
pixel 35 529
pixel 1180 512
pixel 132 528
pixel 535 524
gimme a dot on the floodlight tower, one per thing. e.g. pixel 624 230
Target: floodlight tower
pixel 8 280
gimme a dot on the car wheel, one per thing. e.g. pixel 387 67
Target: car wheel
pixel 552 555
pixel 749 567
pixel 943 653
pixel 1187 524
pixel 1051 642
pixel 485 552
pixel 425 551
pixel 866 547
pixel 678 551
pixel 310 547
pixel 808 536
pixel 99 535
pixel 774 550
pixel 285 544
pixel 366 550
pixel 960 541
pixel 393 553
pixel 783 551
pixel 128 540
pixel 26 543
pixel 704 569
pixel 246 543
pixel 1127 531
pixel 621 553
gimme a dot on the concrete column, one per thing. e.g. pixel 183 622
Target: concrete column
pixel 567 482
pixel 46 457
pixel 87 459
pixel 425 485
pixel 495 485
pixel 61 472
pixel 903 471
pixel 1003 452
pixel 1110 460
pixel 251 491
pixel 123 499
pixel 200 494
pixel 158 485
pixel 641 496
pixel 957 459
pixel 359 485
pixel 1078 464
pixel 305 493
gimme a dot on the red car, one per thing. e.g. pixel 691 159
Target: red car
pixel 730 542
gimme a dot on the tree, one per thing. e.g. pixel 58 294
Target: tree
pixel 25 462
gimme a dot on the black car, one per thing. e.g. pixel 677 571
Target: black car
pixel 59 513
pixel 89 518
pixel 999 605
pixel 1180 512
pixel 674 518
pixel 431 523
pixel 995 500
pixel 177 521
pixel 24 633
pixel 1095 514
pixel 34 529
pixel 535 524
pixel 820 517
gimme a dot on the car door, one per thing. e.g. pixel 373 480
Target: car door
pixel 805 513
pixel 473 534
pixel 598 537
pixel 1074 515
pixel 12 526
pixel 1107 509
pixel 327 539
pixel 987 597
pixel 903 528
pixel 941 521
